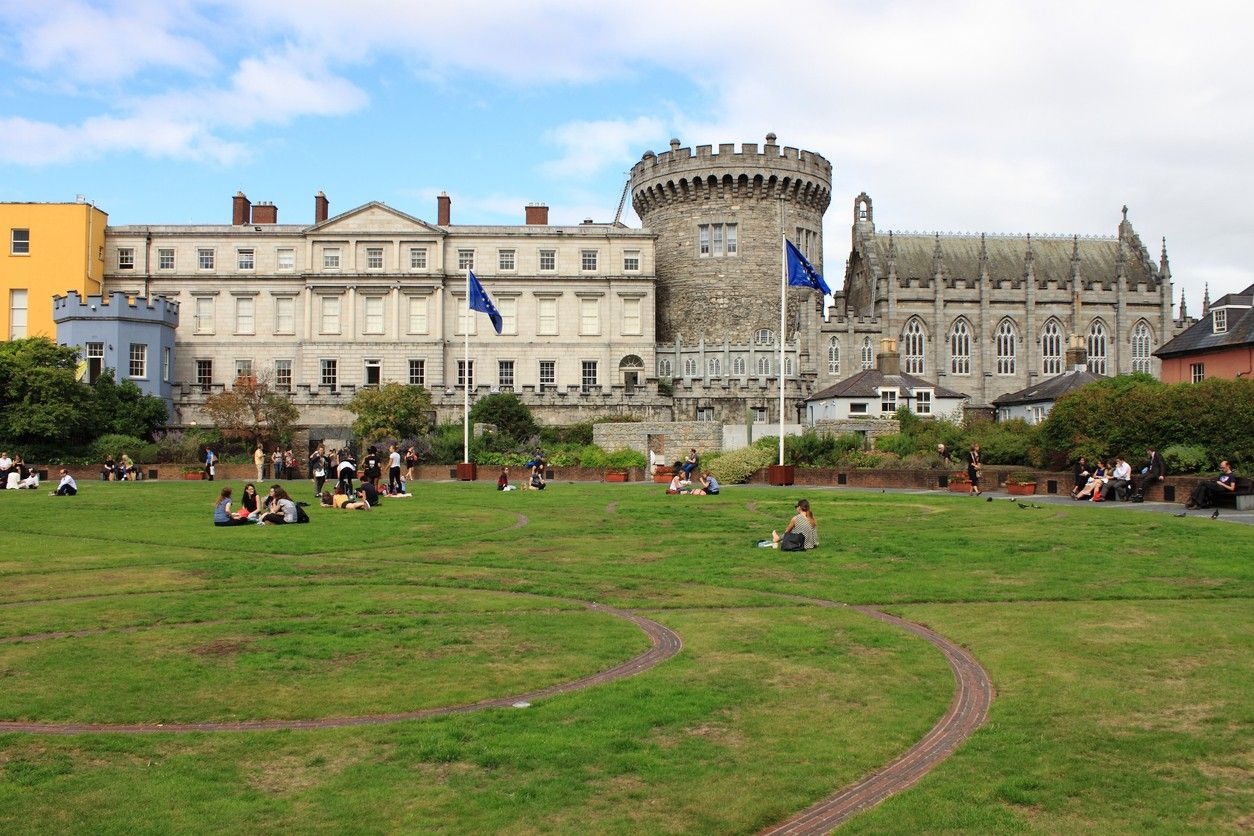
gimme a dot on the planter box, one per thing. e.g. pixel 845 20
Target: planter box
pixel 1015 489
pixel 959 486
pixel 467 471
pixel 781 474
pixel 194 477
pixel 662 478
pixel 616 476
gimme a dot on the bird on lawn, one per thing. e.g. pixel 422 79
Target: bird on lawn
pixel 1181 514
pixel 990 499
pixel 1215 515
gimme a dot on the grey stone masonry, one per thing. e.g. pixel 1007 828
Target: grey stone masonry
pixel 668 440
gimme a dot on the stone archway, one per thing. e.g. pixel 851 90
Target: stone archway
pixel 631 372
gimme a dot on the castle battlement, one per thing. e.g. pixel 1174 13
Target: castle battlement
pixel 115 305
pixel 770 156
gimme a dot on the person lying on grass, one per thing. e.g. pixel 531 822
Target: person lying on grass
pixel 343 500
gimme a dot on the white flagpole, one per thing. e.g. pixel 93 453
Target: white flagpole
pixel 783 275
pixel 466 377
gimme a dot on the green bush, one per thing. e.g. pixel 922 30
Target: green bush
pixel 1006 442
pixel 736 466
pixel 511 417
pixel 139 450
pixel 1186 458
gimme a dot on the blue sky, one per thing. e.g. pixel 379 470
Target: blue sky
pixel 1025 117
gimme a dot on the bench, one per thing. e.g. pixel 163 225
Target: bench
pixel 1242 499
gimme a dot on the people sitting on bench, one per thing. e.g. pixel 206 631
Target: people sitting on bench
pixel 1205 494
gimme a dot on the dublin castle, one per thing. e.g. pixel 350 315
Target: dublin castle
pixel 677 320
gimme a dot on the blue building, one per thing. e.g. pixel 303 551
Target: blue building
pixel 132 336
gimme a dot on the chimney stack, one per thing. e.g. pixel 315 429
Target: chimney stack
pixel 322 207
pixel 443 209
pixel 537 214
pixel 1077 356
pixel 888 361
pixel 241 209
pixel 265 212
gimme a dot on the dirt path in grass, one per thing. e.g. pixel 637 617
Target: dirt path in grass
pixel 973 693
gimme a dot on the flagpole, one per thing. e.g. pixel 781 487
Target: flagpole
pixel 466 376
pixel 783 277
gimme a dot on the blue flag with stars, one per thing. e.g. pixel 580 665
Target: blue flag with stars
pixel 479 301
pixel 801 272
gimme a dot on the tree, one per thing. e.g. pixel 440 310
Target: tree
pixel 250 410
pixel 510 416
pixel 41 400
pixel 393 410
pixel 123 408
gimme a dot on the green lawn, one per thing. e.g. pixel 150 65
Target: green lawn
pixel 1120 645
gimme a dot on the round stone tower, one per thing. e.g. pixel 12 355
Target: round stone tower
pixel 717 217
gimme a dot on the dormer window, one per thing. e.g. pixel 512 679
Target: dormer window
pixel 1220 320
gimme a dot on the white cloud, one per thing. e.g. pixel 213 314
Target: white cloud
pixel 589 146
pixel 27 142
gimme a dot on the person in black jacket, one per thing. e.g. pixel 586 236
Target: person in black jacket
pixel 1082 474
pixel 1149 475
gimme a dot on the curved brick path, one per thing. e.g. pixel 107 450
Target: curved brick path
pixel 973 693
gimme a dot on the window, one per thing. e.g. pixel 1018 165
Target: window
pixel 372 374
pixel 417 258
pixel 204 374
pixel 418 307
pixel 374 314
pixel 505 374
pixel 807 240
pixel 912 342
pixel 330 314
pixel 764 336
pixel 1219 320
pixel 548 372
pixel 465 259
pixel 374 258
pixel 587 260
pixel 126 258
pixel 507 307
pixel 286 258
pixel 664 368
pixel 328 374
pixel 505 260
pixel 547 324
pixel 714 367
pixel 331 258
pixel 1197 372
pixel 139 360
pixel 548 259
pixel 165 258
pixel 417 372
pixel 17 314
pixel 888 401
pixel 588 374
pixel 738 366
pixel 788 366
pixel 764 366
pixel 716 240
pixel 245 321
pixel 1097 347
pixel 631 261
pixel 243 369
pixel 95 361
pixel 204 258
pixel 461 372
pixel 284 315
pixel 1005 342
pixel 868 354
pixel 705 414
pixel 1051 348
pixel 857 409
pixel 283 375
pixel 589 316
pixel 960 348
pixel 690 367
pixel 245 259
pixel 759 415
pixel 923 403
pixel 833 357
pixel 466 318
pixel 1141 345
pixel 19 242
pixel 165 364
pixel 203 321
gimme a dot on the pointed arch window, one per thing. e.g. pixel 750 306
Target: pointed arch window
pixel 1097 347
pixel 912 343
pixel 738 366
pixel 1006 338
pixel 764 366
pixel 663 368
pixel 1051 348
pixel 1142 343
pixel 868 354
pixel 714 366
pixel 960 348
pixel 690 367
pixel 833 357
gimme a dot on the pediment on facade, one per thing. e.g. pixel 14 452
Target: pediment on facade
pixel 372 218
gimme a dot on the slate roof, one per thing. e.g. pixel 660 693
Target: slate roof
pixel 865 384
pixel 1049 390
pixel 1201 336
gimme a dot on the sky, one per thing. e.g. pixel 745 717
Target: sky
pixel 1007 117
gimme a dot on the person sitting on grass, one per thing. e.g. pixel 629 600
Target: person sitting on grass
pixel 802 532
pixel 68 486
pixel 537 482
pixel 250 502
pixel 222 511
pixel 502 481
pixel 709 485
pixel 282 510
pixel 677 484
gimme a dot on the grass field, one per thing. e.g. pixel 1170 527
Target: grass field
pixel 1120 646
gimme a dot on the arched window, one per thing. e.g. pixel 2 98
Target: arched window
pixel 788 366
pixel 1142 343
pixel 1051 348
pixel 1097 347
pixel 690 367
pixel 738 366
pixel 764 366
pixel 1006 347
pixel 833 357
pixel 714 366
pixel 960 348
pixel 764 336
pixel 868 354
pixel 663 368
pixel 912 342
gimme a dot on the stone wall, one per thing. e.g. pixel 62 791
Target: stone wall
pixel 671 439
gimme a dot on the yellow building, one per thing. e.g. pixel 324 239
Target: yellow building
pixel 49 248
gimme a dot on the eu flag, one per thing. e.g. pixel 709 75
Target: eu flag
pixel 479 301
pixel 801 272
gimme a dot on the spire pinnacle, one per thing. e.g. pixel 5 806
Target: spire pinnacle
pixel 1184 310
pixel 1075 247
pixel 1206 299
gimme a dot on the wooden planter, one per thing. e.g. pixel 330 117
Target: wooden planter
pixel 781 474
pixel 194 476
pixel 616 476
pixel 1016 489
pixel 467 472
pixel 663 478
pixel 959 485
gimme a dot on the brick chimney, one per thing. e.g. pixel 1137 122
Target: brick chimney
pixel 443 209
pixel 1077 356
pixel 537 214
pixel 322 207
pixel 265 212
pixel 241 209
pixel 888 361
